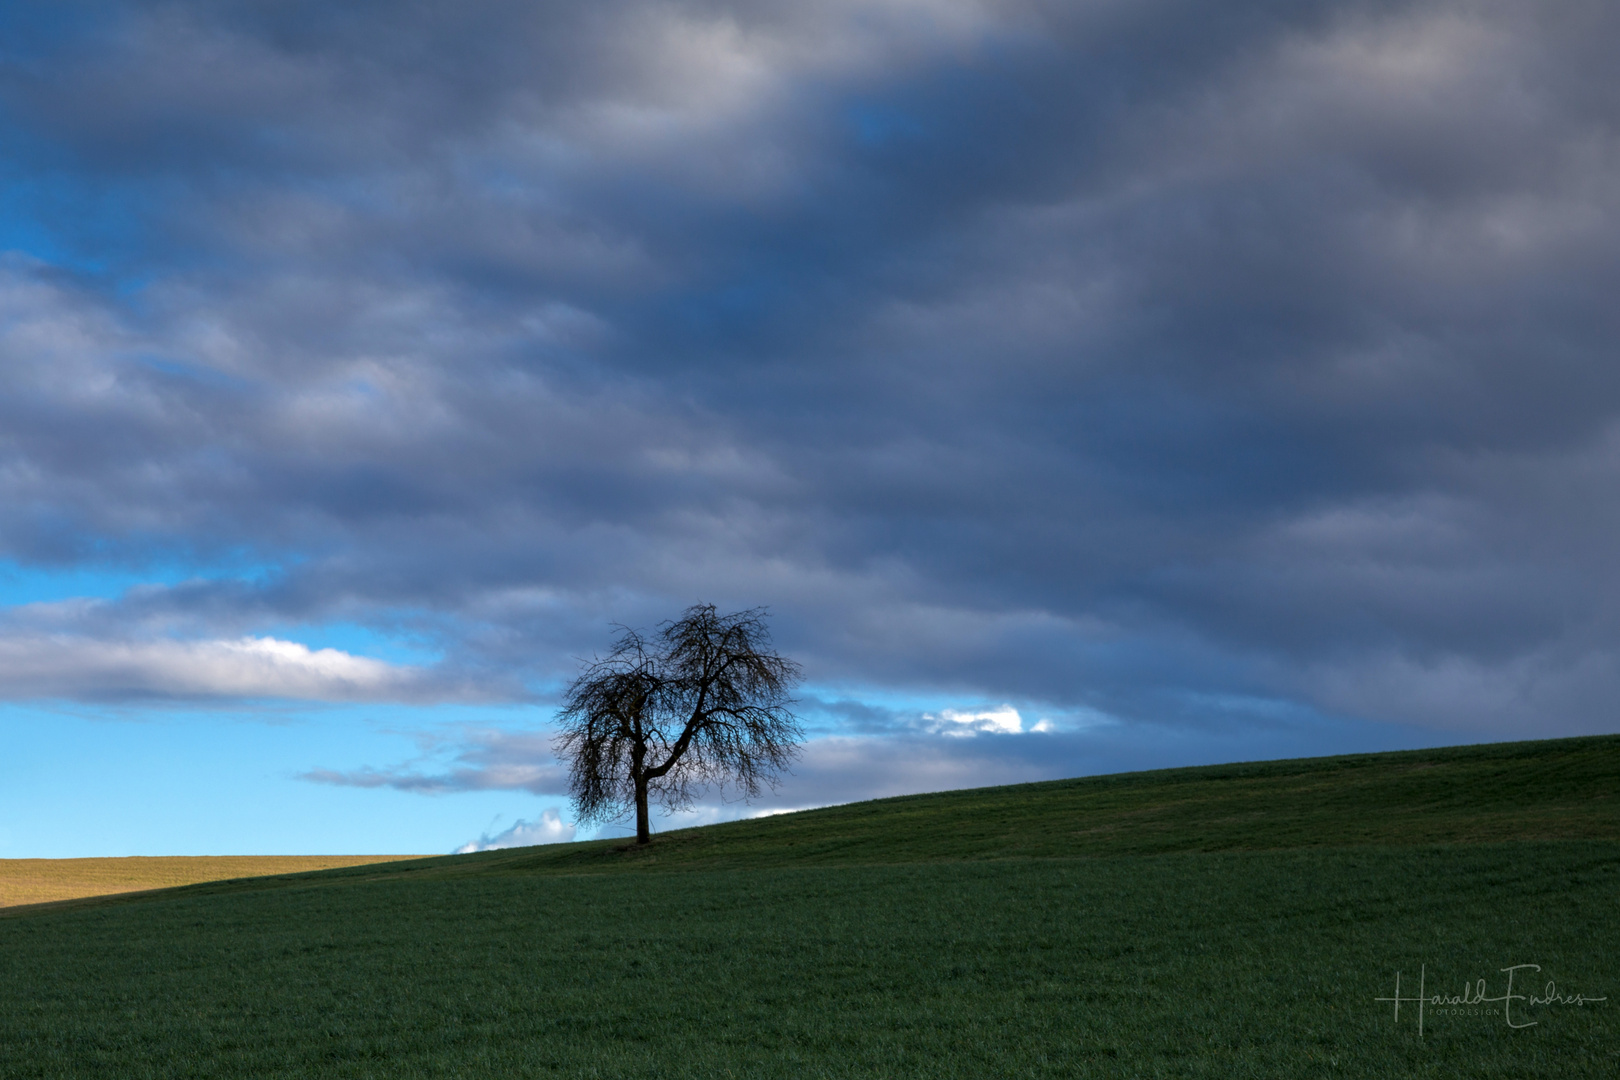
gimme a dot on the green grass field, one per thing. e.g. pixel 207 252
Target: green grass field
pixel 1225 922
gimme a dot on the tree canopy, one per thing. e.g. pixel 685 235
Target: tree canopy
pixel 702 701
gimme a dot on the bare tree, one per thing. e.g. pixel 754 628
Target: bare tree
pixel 704 700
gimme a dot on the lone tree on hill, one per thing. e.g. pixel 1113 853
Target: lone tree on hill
pixel 702 701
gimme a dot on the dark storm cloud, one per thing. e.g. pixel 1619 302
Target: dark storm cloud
pixel 1121 357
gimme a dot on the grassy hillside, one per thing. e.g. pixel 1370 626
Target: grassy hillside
pixel 37 881
pixel 1559 789
pixel 1239 921
pixel 1565 789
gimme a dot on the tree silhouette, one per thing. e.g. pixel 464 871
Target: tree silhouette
pixel 702 701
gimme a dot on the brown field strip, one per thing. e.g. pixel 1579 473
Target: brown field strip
pixel 40 881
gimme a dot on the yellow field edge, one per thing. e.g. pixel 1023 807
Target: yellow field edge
pixel 43 881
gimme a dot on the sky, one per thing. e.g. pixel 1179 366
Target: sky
pixel 1082 386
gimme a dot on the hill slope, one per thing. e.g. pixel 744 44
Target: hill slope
pixel 1237 921
pixel 1556 789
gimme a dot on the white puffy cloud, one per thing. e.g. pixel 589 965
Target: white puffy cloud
pixel 548 828
pixel 1001 720
pixel 92 669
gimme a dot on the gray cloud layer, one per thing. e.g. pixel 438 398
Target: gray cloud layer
pixel 1115 356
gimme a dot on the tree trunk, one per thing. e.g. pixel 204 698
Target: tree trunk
pixel 643 831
